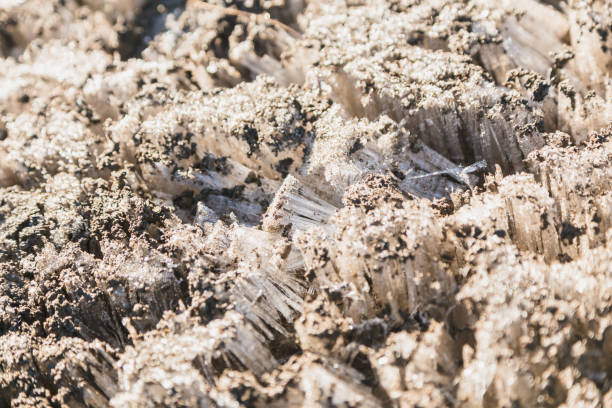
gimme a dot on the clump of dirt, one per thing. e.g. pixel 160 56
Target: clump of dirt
pixel 305 203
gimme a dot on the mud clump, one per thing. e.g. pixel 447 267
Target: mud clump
pixel 306 203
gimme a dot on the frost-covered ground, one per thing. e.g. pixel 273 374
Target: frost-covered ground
pixel 306 203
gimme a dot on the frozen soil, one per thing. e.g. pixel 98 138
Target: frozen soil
pixel 359 203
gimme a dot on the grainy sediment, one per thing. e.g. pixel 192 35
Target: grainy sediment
pixel 313 203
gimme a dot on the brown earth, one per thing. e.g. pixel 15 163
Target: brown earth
pixel 308 203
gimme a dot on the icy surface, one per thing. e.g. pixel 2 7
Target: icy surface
pixel 360 203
